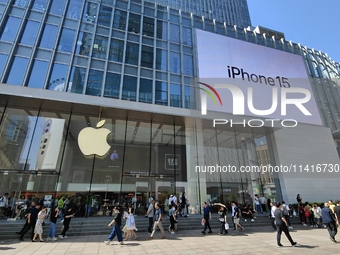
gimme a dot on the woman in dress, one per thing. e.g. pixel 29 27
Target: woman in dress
pixel 130 226
pixel 38 230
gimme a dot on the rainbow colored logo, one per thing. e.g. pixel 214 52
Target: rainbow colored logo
pixel 203 97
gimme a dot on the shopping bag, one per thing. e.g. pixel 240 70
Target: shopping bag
pixel 226 226
pixel 203 222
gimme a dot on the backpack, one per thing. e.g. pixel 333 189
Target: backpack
pixel 285 210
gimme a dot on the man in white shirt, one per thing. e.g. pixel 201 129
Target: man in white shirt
pixel 233 212
pixel 263 203
pixel 272 218
pixel 150 213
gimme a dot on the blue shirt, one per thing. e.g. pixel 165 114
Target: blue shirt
pixel 158 212
pixel 327 215
pixel 206 212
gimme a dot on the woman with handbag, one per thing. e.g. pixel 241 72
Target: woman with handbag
pixel 222 217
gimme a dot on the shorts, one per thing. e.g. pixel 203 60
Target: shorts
pixel 237 221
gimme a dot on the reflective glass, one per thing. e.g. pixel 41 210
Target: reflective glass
pixel 112 85
pixel 66 40
pixel 175 62
pixel 145 91
pixel 189 97
pixel 105 14
pixel 40 5
pixel 119 19
pixel 175 95
pixel 74 9
pixel 49 36
pixel 174 33
pixel 38 74
pixel 58 77
pixel 21 3
pixel 84 43
pixel 134 23
pixel 132 52
pixel 11 29
pixel 90 12
pixel 30 33
pixel 147 56
pixel 77 80
pixel 161 93
pixel 94 83
pixel 3 59
pixel 17 72
pixel 187 37
pixel 188 65
pixel 161 59
pixel 116 50
pixel 148 26
pixel 58 7
pixel 129 88
pixel 100 47
pixel 162 30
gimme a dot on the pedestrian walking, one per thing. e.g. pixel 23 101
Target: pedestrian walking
pixel 285 210
pixel 31 220
pixel 263 203
pixel 53 221
pixel 150 214
pixel 158 222
pixel 206 218
pixel 258 207
pixel 67 220
pixel 116 223
pixel 282 225
pixel 337 212
pixel 272 215
pixel 173 220
pixel 38 230
pixel 61 205
pixel 237 217
pixel 130 225
pixel 222 217
pixel 328 218
pixel 317 215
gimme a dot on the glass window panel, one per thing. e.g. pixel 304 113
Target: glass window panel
pixel 134 23
pixel 40 5
pixel 3 59
pixel 21 3
pixel 17 72
pixel 147 56
pixel 129 88
pixel 74 9
pixel 175 62
pixel 94 83
pixel 174 18
pixel 38 74
pixel 162 30
pixel 66 40
pixel 174 33
pixel 49 36
pixel 161 93
pixel 119 19
pixel 90 12
pixel 104 17
pixel 84 44
pixel 116 50
pixel 145 91
pixel 189 97
pixel 188 65
pixel 132 52
pixel 148 26
pixel 11 29
pixel 57 7
pixel 161 59
pixel 77 80
pixel 175 95
pixel 162 15
pixel 112 85
pixel 58 77
pixel 100 47
pixel 187 37
pixel 30 33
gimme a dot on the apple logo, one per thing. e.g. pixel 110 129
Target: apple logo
pixel 92 141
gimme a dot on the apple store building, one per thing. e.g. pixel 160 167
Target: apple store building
pixel 128 105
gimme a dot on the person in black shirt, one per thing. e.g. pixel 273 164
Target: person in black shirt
pixel 337 212
pixel 222 217
pixel 116 222
pixel 53 222
pixel 67 219
pixel 31 220
pixel 281 225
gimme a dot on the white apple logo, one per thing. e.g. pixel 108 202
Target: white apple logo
pixel 92 141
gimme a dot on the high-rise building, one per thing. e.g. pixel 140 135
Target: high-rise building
pixel 146 69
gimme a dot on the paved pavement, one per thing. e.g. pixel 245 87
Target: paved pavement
pixel 253 240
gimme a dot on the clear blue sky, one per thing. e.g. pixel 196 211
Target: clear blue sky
pixel 313 23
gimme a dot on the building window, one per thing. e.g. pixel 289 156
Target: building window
pixel 116 50
pixel 162 30
pixel 132 52
pixel 175 95
pixel 30 33
pixel 147 56
pixel 134 23
pixel 38 74
pixel 40 5
pixel 161 59
pixel 58 77
pixel 3 59
pixel 17 72
pixel 129 88
pixel 57 7
pixel 188 65
pixel 66 40
pixel 99 47
pixel 104 17
pixel 90 12
pixel 161 93
pixel 77 80
pixel 11 29
pixel 145 91
pixel 175 62
pixel 187 37
pixel 112 85
pixel 119 19
pixel 48 37
pixel 74 9
pixel 189 97
pixel 21 3
pixel 148 26
pixel 94 83
pixel 84 44
pixel 174 33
